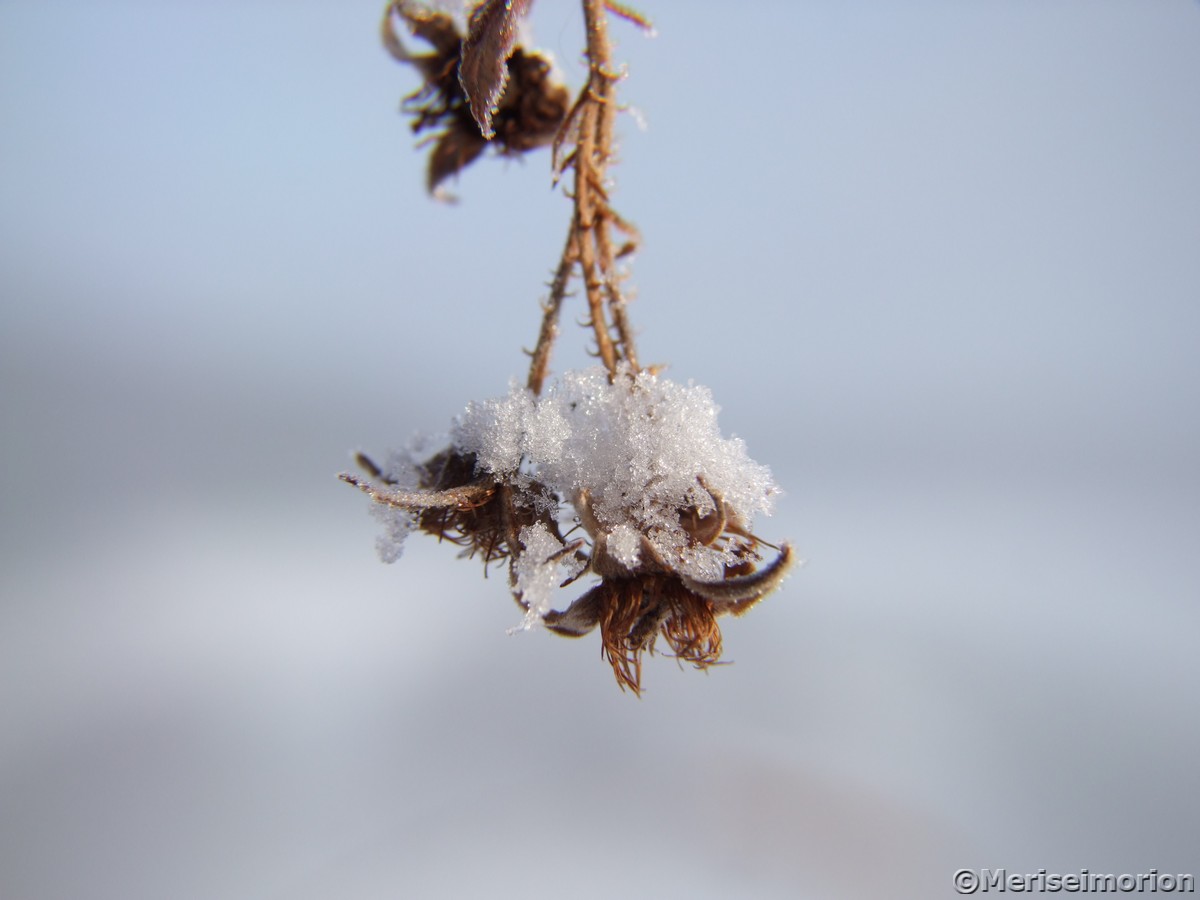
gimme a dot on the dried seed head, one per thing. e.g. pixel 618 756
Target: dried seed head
pixel 662 499
pixel 525 112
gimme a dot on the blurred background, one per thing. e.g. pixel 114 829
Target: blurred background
pixel 938 262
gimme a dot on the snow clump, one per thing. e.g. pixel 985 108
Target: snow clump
pixel 632 455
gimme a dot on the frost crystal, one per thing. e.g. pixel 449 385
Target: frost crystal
pixel 496 431
pixel 537 572
pixel 397 525
pixel 625 546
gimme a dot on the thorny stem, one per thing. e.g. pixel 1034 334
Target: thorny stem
pixel 589 237
pixel 550 313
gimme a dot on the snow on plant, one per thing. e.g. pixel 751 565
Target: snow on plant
pixel 614 474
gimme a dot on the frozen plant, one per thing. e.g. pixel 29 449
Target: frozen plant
pixel 613 474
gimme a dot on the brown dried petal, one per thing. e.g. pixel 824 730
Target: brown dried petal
pixel 483 72
pixel 580 617
pixel 456 149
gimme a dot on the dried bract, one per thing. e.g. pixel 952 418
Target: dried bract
pixel 517 100
pixel 491 40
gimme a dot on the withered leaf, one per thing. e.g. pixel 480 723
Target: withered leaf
pixel 483 72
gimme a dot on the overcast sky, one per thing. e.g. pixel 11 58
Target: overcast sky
pixel 937 262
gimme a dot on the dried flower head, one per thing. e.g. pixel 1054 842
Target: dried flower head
pixel 518 103
pixel 638 466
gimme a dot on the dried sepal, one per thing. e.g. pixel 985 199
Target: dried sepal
pixel 483 71
pixel 465 497
pixel 737 592
pixel 581 617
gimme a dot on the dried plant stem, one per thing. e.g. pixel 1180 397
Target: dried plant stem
pixel 589 240
pixel 550 315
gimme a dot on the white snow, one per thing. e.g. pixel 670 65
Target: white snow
pixel 625 545
pixel 640 449
pixel 397 525
pixel 537 572
pixel 630 456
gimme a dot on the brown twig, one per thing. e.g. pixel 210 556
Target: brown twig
pixel 590 245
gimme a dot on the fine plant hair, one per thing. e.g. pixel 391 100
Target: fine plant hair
pixel 611 476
